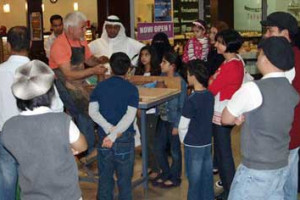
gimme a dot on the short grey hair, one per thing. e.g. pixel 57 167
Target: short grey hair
pixel 73 19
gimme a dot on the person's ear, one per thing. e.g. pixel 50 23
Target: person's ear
pixel 173 66
pixel 285 33
pixel 8 47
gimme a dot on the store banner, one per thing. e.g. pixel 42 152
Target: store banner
pixel 247 15
pixel 163 10
pixel 146 31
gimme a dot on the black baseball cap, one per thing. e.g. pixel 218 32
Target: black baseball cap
pixel 282 20
pixel 279 52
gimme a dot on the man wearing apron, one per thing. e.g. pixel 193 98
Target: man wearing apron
pixel 68 56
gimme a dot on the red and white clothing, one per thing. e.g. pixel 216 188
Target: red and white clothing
pixel 294 133
pixel 196 49
pixel 225 82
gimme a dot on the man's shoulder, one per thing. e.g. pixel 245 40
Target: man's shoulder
pixel 61 40
pixel 12 64
pixel 135 41
pixel 96 41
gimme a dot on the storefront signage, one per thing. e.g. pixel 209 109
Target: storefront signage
pixel 146 31
pixel 247 15
pixel 163 10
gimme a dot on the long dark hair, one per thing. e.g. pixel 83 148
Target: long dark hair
pixel 155 69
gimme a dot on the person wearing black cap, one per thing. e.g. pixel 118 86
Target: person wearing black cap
pixel 281 24
pixel 266 109
pixel 284 24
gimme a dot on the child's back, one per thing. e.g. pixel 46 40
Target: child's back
pixel 199 108
pixel 114 95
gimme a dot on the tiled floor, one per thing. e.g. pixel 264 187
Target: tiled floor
pixel 90 189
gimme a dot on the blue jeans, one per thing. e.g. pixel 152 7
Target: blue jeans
pixel 222 139
pixel 251 184
pixel 119 159
pixel 163 137
pixel 291 184
pixel 8 174
pixel 198 166
pixel 83 121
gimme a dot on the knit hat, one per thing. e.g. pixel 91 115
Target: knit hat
pixel 279 52
pixel 32 80
pixel 282 20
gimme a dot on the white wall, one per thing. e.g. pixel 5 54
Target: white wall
pixel 17 16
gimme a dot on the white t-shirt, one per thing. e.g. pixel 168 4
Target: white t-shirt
pixel 248 97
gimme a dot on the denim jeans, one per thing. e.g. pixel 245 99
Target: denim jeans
pixel 291 184
pixel 251 184
pixel 83 121
pixel 222 139
pixel 119 159
pixel 8 174
pixel 198 166
pixel 163 137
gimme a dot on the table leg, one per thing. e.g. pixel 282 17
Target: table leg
pixel 144 148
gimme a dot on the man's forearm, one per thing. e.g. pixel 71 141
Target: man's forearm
pixel 75 74
pixel 92 61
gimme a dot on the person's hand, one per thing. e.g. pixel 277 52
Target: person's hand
pixel 107 143
pixel 139 113
pixel 99 69
pixel 74 151
pixel 161 84
pixel 239 120
pixel 175 131
pixel 103 59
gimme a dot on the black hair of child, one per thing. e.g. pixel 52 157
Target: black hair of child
pixel 197 68
pixel 119 63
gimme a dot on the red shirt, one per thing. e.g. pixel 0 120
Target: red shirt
pixel 295 131
pixel 61 52
pixel 228 80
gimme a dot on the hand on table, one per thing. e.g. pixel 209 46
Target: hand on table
pixel 103 59
pixel 74 152
pixel 99 69
pixel 161 84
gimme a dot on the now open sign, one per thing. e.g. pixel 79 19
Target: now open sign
pixel 146 31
